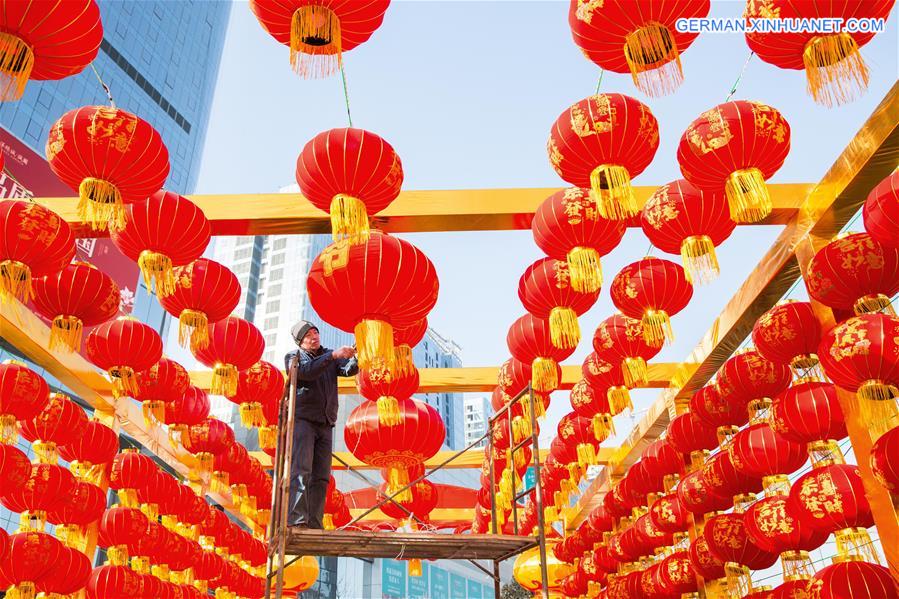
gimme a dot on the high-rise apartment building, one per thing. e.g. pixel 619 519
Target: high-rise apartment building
pixel 477 411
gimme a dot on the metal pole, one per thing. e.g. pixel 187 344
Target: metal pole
pixel 490 458
pixel 541 533
pixel 497 591
pixel 510 463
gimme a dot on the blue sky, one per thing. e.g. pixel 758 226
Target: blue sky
pixel 466 93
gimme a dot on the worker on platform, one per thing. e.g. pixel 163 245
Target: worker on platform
pixel 317 369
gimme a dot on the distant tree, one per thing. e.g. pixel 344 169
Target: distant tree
pixel 513 590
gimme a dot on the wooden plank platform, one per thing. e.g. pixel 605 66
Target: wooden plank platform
pixel 421 545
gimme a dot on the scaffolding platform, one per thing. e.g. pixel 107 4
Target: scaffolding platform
pixel 420 545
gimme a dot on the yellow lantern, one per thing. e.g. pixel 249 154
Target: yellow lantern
pixel 527 570
pixel 300 575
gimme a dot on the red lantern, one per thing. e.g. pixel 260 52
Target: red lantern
pixel 788 333
pixel 404 339
pixel 567 226
pixel 123 347
pixel 728 541
pixel 703 561
pixel 747 376
pixel 881 211
pixel 652 289
pixel 114 582
pixel 15 468
pixel 545 290
pixel 319 32
pixel 424 500
pixel 36 242
pixel 165 231
pixel 668 514
pixel 736 145
pixel 369 288
pixel 677 575
pixel 46 488
pixel 208 439
pixel 234 345
pixel 159 385
pixel 723 477
pixel 883 460
pixel 225 463
pixel 23 395
pixel 186 410
pixel 203 291
pixel 603 376
pixel 79 295
pixel 530 341
pixel 686 433
pixel 578 433
pixel 515 376
pixel 854 272
pixel 698 497
pixel 602 142
pixel 760 451
pixel 620 339
pixel 53 43
pixel 791 589
pixel 716 409
pixel 809 411
pixel 861 354
pixel 160 490
pixel 853 579
pixel 130 471
pixel 831 498
pixel 679 218
pixel 834 68
pixel 84 504
pixel 641 39
pixel 384 388
pixel 773 525
pixel 31 560
pixel 61 421
pixel 600 520
pixel 111 157
pixel 68 575
pixel 351 173
pixel 589 403
pixel 258 385
pixel 399 447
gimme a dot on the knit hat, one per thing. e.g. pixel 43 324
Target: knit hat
pixel 299 330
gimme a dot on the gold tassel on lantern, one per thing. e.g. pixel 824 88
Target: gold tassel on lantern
pixel 128 497
pixel 374 343
pixel 388 411
pixel 603 427
pixel 657 328
pixel 544 375
pixel 349 220
pixel 328 522
pixel 700 261
pixel 835 71
pixel 224 380
pixel 876 302
pixel 193 330
pixel 15 281
pixel 100 205
pixel 563 327
pixel 117 555
pixel 315 41
pixel 23 590
pixel 124 382
pixel 653 59
pixel 9 432
pixel 747 195
pixel 619 399
pixel 268 437
pixel 32 520
pixel 415 567
pixel 613 193
pixel 65 334
pixel 635 372
pixel 521 428
pixel 16 62
pixel 586 455
pixel 46 452
pixel 220 481
pixel 397 478
pixel 251 414
pixel 157 268
pixel 585 269
pixel 153 412
pixel 403 365
pixel 878 404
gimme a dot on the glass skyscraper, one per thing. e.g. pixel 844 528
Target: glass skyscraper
pixel 160 60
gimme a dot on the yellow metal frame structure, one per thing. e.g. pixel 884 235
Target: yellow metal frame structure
pixel 809 213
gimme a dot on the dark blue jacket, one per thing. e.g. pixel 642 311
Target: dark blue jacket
pixel 317 383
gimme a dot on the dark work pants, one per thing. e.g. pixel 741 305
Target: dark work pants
pixel 310 471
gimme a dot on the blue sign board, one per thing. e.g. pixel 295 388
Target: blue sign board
pixel 529 479
pixel 439 583
pixel 457 587
pixel 418 585
pixel 474 590
pixel 488 592
pixel 393 580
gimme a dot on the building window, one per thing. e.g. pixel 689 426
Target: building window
pixel 278 259
pixel 279 243
pixel 273 307
pixel 276 275
pixel 242 268
pixel 274 290
pixel 271 323
pixel 270 339
pixel 243 253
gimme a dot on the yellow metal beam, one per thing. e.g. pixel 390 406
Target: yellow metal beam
pixel 872 154
pixel 470 379
pixel 413 211
pixel 455 515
